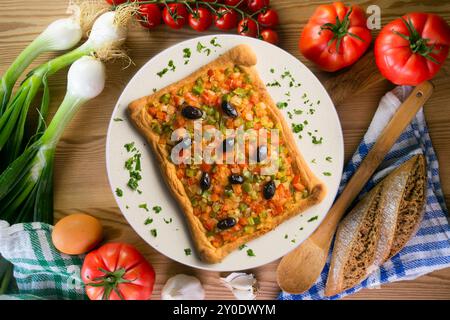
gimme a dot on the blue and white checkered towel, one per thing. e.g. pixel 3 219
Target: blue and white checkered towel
pixel 429 249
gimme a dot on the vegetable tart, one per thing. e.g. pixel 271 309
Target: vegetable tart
pixel 226 204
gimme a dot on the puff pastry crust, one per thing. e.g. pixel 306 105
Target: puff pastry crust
pixel 244 57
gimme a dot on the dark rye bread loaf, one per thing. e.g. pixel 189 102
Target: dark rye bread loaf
pixel 378 226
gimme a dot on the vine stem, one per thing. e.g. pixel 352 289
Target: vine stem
pixel 213 6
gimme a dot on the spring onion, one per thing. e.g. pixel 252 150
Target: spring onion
pixel 26 185
pixel 108 33
pixel 60 35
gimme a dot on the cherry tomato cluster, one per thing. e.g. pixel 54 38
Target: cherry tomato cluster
pixel 252 18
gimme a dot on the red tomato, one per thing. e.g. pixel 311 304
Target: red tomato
pixel 412 49
pixel 255 5
pixel 117 271
pixel 116 2
pixel 270 36
pixel 235 2
pixel 335 36
pixel 200 19
pixel 247 27
pixel 268 18
pixel 150 15
pixel 175 15
pixel 226 19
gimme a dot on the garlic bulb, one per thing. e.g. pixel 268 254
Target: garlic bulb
pixel 242 285
pixel 183 287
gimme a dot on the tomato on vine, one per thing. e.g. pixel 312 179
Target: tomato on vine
pixel 268 18
pixel 226 19
pixel 270 36
pixel 200 19
pixel 256 5
pixel 175 15
pixel 247 27
pixel 150 15
pixel 233 3
pixel 116 2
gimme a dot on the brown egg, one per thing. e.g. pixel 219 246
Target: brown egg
pixel 77 233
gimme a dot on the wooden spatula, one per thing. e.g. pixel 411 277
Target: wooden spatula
pixel 299 270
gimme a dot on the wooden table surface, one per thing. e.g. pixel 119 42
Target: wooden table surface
pixel 81 184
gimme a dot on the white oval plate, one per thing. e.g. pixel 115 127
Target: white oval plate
pixel 325 159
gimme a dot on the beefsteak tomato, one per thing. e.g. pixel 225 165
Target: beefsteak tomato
pixel 335 36
pixel 117 271
pixel 412 49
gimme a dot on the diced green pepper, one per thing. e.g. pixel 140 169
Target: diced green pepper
pixel 190 173
pixel 247 187
pixel 249 229
pixel 165 98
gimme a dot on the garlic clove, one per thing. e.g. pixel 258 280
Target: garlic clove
pixel 242 285
pixel 183 287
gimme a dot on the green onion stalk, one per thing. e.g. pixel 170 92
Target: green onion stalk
pixel 108 32
pixel 60 35
pixel 26 187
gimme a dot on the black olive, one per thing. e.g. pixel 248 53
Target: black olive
pixel 236 179
pixel 205 181
pixel 261 153
pixel 228 109
pixel 226 223
pixel 269 190
pixel 192 113
pixel 228 144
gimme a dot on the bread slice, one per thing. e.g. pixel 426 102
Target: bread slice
pixel 379 226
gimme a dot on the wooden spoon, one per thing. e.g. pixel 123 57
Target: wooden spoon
pixel 299 269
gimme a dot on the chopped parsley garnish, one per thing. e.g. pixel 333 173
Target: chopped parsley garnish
pixel 282 105
pixel 133 166
pixel 326 173
pixel 272 70
pixel 144 206
pixel 285 236
pixel 148 221
pixel 171 65
pixel 157 209
pixel 154 232
pixel 250 253
pixel 186 55
pixel 133 184
pixel 313 218
pixel 154 90
pixel 329 159
pixel 162 72
pixel 275 83
pixel 127 207
pixel 290 115
pixel 313 161
pixel 317 141
pixel 301 228
pixel 129 147
pixel 297 127
pixel 214 42
pixel 311 111
pixel 203 49
pixel 293 240
pixel 118 119
pixel 242 246
pixel 119 192
pixel 168 221
pixel 298 111
pixel 188 251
